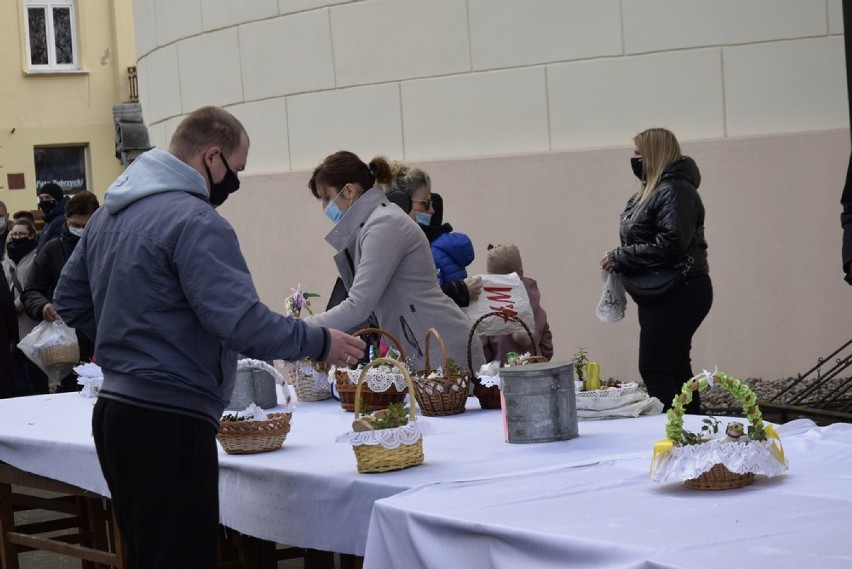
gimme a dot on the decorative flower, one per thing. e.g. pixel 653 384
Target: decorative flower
pixel 300 299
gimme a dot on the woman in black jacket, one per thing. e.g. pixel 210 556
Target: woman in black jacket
pixel 38 290
pixel 662 228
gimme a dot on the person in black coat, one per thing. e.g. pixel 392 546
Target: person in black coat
pixel 38 290
pixel 662 227
pixel 846 223
pixel 8 339
pixel 51 202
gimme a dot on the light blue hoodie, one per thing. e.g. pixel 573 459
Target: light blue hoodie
pixel 158 280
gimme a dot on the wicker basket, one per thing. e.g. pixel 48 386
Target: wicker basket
pixel 718 477
pixel 489 397
pixel 441 396
pixel 302 376
pixel 248 437
pixel 372 399
pixel 376 458
pixel 60 354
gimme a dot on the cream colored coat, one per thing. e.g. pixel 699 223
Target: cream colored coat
pixel 385 261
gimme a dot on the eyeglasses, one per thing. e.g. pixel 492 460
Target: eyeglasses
pixel 426 203
pixel 19 235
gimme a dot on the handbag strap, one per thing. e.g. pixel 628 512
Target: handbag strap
pixel 15 282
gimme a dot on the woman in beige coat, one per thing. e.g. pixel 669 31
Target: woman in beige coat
pixel 385 262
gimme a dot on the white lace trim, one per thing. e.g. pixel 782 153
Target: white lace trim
pixel 388 438
pixel 491 381
pixel 379 378
pixel 690 461
pixel 320 378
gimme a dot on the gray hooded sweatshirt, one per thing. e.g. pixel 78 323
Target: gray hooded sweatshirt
pixel 159 282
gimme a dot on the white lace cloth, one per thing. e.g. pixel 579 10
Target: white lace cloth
pixel 690 461
pixel 388 438
pixel 616 402
pixel 320 378
pixel 379 378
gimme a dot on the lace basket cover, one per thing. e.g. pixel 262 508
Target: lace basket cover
pixel 378 378
pixel 320 378
pixel 691 461
pixel 388 438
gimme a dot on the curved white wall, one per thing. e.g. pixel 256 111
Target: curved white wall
pixel 523 112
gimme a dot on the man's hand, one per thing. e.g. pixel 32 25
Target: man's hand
pixel 49 313
pixel 345 349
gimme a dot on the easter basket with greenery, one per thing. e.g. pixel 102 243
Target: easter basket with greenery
pixel 708 460
pixel 488 392
pixel 383 384
pixel 442 391
pixel 392 438
pixel 253 430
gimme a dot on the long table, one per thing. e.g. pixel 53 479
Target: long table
pixel 308 493
pixel 608 514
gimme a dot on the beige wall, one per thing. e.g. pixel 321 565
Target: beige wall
pixel 64 108
pixel 523 111
pixel 772 226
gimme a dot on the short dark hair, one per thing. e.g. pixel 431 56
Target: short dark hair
pixel 25 215
pixel 205 127
pixel 82 203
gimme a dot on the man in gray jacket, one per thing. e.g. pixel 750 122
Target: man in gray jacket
pixel 159 282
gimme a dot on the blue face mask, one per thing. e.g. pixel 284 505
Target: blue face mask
pixel 423 218
pixel 332 210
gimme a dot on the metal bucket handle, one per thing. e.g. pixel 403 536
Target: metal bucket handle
pixel 505 317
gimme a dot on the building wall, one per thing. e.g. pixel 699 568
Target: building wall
pixel 63 108
pixel 523 113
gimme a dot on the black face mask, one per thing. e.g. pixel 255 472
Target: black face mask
pixel 46 207
pixel 220 191
pixel 638 167
pixel 17 249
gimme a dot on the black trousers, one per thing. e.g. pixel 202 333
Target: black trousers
pixel 163 474
pixel 665 339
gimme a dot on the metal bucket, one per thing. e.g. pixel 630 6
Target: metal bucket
pixel 539 402
pixel 253 386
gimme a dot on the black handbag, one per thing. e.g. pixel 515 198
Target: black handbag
pixel 656 284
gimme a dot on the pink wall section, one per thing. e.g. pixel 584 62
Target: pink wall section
pixel 773 207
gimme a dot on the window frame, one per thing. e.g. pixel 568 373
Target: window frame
pixel 50 35
pixel 83 163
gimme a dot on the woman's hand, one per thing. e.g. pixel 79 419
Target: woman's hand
pixel 606 262
pixel 474 286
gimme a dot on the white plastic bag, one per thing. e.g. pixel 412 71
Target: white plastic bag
pixel 44 342
pixel 504 294
pixel 613 302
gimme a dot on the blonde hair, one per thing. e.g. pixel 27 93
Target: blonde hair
pixel 659 148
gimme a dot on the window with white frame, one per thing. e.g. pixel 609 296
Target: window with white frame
pixel 51 34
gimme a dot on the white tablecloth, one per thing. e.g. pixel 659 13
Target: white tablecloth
pixel 309 493
pixel 608 514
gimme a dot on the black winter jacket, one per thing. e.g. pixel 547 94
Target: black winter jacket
pixel 666 228
pixel 44 276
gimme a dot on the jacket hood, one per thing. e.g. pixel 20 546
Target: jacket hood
pixel 685 169
pixel 154 172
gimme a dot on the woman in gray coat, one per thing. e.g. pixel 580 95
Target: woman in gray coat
pixel 385 262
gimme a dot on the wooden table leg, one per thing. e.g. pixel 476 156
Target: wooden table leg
pixel 8 551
